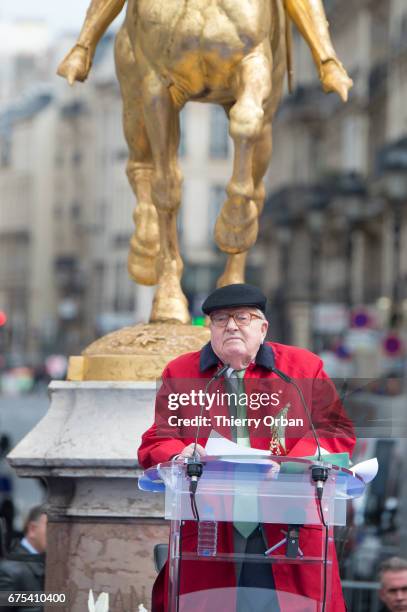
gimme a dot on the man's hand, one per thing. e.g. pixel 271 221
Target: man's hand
pixel 76 65
pixel 188 451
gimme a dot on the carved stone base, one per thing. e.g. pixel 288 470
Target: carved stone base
pixel 136 353
pixel 105 556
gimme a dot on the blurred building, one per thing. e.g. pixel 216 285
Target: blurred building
pixel 333 233
pixel 334 237
pixel 332 251
pixel 335 221
pixel 66 214
pixel 24 56
pixel 63 226
pixel 25 213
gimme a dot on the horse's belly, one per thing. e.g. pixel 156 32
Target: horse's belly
pixel 168 18
pixel 196 44
pixel 176 27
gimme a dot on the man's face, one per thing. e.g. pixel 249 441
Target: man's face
pixel 37 533
pixel 237 344
pixel 394 590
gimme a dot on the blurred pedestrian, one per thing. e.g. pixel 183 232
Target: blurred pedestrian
pixel 393 584
pixel 6 494
pixel 24 568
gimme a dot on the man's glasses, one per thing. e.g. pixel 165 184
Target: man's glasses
pixel 242 319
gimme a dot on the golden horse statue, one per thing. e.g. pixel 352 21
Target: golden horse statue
pixel 228 52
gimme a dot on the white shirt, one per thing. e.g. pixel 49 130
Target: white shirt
pixel 24 542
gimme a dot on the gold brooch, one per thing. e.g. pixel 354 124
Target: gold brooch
pixel 275 447
pixel 277 443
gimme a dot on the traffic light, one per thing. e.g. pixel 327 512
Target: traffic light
pixel 3 318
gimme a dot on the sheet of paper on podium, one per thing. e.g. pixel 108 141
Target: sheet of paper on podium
pixel 367 470
pixel 219 446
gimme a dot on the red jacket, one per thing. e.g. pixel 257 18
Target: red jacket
pixel 335 433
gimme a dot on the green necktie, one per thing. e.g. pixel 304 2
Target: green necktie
pixel 242 431
pixel 245 501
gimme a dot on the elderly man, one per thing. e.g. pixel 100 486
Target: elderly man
pixel 238 330
pixel 393 584
pixel 308 16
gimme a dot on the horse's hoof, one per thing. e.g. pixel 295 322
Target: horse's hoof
pixel 171 306
pixel 142 268
pixel 236 227
pixel 335 79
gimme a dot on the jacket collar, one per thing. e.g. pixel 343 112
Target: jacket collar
pixel 264 358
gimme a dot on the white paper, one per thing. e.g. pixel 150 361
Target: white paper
pixel 367 470
pixel 217 445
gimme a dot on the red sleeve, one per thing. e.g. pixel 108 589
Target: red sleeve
pixel 334 429
pixel 154 447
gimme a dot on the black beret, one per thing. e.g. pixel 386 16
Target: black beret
pixel 239 294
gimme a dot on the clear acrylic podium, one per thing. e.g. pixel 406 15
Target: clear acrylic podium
pixel 287 497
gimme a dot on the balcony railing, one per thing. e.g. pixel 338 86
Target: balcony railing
pixel 361 596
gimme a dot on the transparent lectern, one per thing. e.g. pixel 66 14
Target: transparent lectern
pixel 241 489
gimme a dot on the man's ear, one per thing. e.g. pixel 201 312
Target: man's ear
pixel 266 326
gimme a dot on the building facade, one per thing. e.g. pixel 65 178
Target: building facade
pixel 333 233
pixel 68 202
pixel 338 229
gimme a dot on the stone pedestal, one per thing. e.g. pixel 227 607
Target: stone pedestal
pixel 102 529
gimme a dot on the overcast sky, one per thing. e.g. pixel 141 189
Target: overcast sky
pixel 60 14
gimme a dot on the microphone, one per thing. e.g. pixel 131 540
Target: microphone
pixel 290 381
pixel 319 473
pixel 319 476
pixel 194 467
pixel 217 375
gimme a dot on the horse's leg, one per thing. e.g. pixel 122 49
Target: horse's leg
pixel 235 264
pixel 310 18
pixel 237 225
pixel 234 270
pixel 162 123
pixel 145 242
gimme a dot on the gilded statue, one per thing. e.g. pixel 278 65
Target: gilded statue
pixel 234 53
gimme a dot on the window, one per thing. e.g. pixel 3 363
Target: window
pixel 353 144
pixel 219 140
pixel 76 158
pixel 75 211
pixel 124 289
pixel 5 152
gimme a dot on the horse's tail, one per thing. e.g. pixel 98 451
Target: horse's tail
pixel 280 46
pixel 289 52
